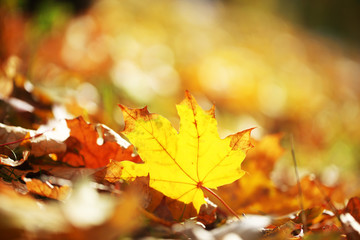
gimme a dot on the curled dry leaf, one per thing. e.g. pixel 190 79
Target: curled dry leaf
pixel 182 165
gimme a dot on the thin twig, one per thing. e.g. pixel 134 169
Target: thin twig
pixel 300 196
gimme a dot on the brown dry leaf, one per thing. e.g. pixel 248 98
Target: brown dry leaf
pixel 9 134
pixel 38 143
pixel 95 145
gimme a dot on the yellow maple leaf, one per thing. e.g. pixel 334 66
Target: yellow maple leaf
pixel 182 165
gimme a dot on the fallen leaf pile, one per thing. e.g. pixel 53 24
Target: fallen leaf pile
pixel 97 141
pixel 77 180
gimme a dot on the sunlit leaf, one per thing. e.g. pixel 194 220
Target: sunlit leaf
pixel 182 164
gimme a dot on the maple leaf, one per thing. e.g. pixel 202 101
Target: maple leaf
pixel 182 165
pixel 84 148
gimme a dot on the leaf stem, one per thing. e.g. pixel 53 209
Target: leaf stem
pixel 221 200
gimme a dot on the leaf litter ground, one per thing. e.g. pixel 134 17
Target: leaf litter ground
pixel 93 185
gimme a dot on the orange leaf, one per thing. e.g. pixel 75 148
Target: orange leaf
pixel 94 146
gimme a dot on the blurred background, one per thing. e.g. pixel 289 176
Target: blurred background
pixel 290 67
